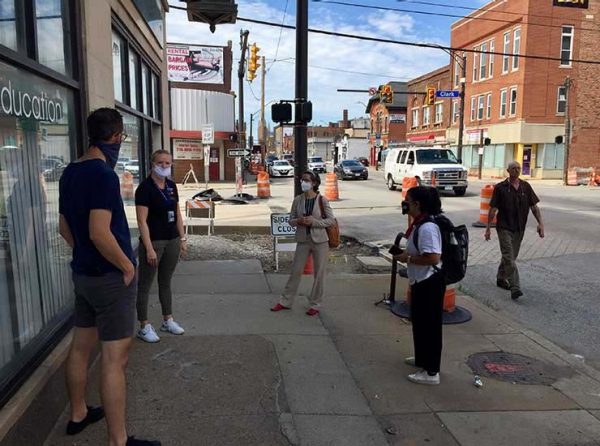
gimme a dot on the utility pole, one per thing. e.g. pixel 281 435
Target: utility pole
pixel 300 140
pixel 481 148
pixel 568 84
pixel 241 73
pixel 261 128
pixel 461 124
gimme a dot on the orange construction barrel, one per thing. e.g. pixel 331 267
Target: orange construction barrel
pixel 309 266
pixel 331 187
pixel 263 187
pixel 484 207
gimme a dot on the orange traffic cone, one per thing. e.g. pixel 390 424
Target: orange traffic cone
pixel 309 266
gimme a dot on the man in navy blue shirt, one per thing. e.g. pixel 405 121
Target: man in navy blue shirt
pixel 93 222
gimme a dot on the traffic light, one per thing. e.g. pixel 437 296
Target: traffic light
pixel 253 63
pixel 430 100
pixel 387 94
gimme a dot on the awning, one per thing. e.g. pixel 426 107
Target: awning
pixel 422 138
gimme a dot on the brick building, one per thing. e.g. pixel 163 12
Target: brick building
pixel 427 124
pixel 519 103
pixel 388 121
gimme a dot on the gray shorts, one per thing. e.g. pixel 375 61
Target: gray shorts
pixel 106 303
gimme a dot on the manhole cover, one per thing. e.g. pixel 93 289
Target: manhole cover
pixel 514 368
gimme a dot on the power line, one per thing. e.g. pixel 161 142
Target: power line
pixel 407 43
pixel 280 33
pixel 340 70
pixel 420 44
pixel 441 14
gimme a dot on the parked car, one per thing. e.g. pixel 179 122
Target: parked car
pixel 364 161
pixel 281 168
pixel 424 163
pixel 316 164
pixel 54 173
pixel 289 157
pixel 350 169
pixel 133 167
pixel 270 159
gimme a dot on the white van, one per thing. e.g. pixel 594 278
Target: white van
pixel 422 162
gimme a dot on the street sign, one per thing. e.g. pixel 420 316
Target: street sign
pixel 208 134
pixel 232 153
pixel 372 91
pixel 280 225
pixel 447 94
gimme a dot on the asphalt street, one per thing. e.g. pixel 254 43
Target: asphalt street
pixel 559 273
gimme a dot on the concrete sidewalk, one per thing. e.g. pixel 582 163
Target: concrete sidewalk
pixel 242 375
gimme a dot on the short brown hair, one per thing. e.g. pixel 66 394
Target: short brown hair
pixel 156 153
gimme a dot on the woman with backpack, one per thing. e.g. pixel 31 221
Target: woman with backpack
pixel 311 214
pixel 427 283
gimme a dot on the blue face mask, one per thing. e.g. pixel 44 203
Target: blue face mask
pixel 110 151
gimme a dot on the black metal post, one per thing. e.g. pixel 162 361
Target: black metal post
pixel 241 72
pixel 300 138
pixel 481 148
pixel 461 125
pixel 250 138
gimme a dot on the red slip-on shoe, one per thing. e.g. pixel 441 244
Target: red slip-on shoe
pixel 280 307
pixel 312 312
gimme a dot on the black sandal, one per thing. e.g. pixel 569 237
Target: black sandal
pixel 94 414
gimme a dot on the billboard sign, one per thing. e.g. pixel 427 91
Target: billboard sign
pixel 195 64
pixel 187 149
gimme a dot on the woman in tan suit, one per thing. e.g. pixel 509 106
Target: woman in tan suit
pixel 310 219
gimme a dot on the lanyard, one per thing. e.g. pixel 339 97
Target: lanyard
pixel 167 199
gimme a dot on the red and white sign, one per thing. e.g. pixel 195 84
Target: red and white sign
pixel 372 91
pixel 195 64
pixel 187 149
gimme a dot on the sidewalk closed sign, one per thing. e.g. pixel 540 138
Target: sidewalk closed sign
pixel 280 225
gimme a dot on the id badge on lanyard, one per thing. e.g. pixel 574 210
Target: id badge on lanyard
pixel 171 216
pixel 168 199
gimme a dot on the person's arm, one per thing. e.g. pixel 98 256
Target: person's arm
pixel 425 259
pixel 141 213
pixel 329 219
pixel 181 230
pixel 538 216
pixel 430 247
pixel 65 231
pixel 294 215
pixel 106 243
pixel 491 216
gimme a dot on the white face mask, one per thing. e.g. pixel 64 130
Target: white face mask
pixel 162 172
pixel 306 186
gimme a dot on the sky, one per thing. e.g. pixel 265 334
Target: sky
pixel 334 62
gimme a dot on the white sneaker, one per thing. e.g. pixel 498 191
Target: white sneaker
pixel 410 361
pixel 148 334
pixel 172 327
pixel 423 377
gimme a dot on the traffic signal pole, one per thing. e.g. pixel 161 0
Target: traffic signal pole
pixel 461 124
pixel 241 72
pixel 300 138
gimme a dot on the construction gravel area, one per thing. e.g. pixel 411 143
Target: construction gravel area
pixel 251 246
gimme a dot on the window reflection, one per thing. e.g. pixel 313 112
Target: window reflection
pixel 53 34
pixel 145 91
pixel 117 57
pixel 129 159
pixel 133 79
pixel 10 26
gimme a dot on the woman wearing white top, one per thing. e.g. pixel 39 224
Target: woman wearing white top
pixel 427 284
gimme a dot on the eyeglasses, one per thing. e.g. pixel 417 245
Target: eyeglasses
pixel 124 136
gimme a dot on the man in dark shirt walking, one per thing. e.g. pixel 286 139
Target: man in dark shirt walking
pixel 93 223
pixel 512 200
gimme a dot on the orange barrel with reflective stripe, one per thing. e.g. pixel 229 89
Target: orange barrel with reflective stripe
pixel 263 187
pixel 331 187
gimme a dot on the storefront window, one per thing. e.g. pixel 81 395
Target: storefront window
pixel 152 11
pixel 37 132
pixel 129 159
pixel 155 97
pixel 145 91
pixel 53 34
pixel 134 66
pixel 117 57
pixel 11 24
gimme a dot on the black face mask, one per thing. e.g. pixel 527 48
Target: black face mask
pixel 404 205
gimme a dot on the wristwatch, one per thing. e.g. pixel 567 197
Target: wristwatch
pixel 183 239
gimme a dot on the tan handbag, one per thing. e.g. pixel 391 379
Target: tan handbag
pixel 333 231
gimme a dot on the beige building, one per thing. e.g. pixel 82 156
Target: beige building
pixel 60 59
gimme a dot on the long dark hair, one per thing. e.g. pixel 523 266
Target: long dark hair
pixel 428 199
pixel 314 177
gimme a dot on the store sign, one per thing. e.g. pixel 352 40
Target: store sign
pixel 35 105
pixel 195 64
pixel 398 118
pixel 187 149
pixel 473 136
pixel 583 4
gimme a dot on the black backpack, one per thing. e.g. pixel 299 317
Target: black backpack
pixel 455 247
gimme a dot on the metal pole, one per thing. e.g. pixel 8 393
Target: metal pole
pixel 250 139
pixel 480 154
pixel 261 127
pixel 567 141
pixel 241 70
pixel 300 140
pixel 461 125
